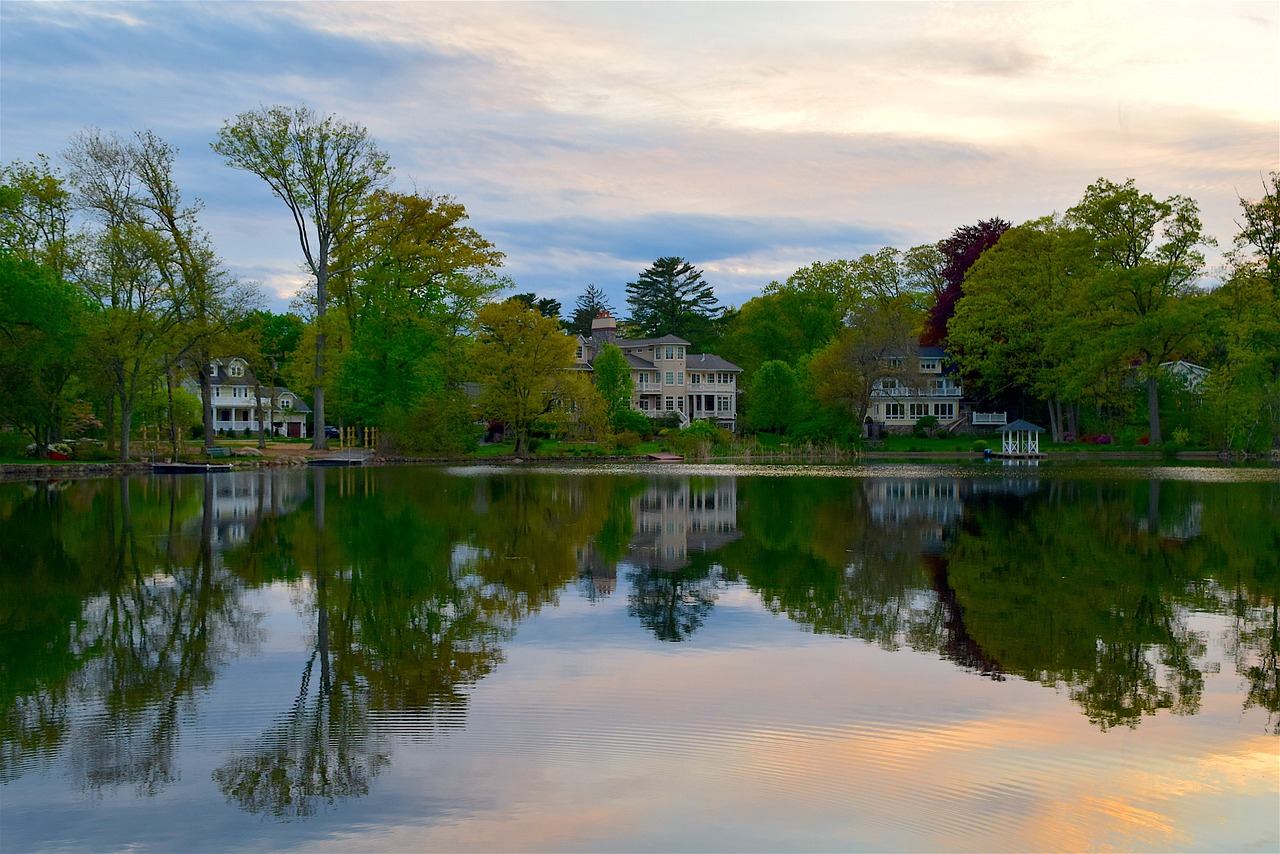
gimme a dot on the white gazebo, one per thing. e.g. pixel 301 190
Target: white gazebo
pixel 1020 439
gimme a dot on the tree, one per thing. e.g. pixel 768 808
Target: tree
pixel 613 380
pixel 959 252
pixel 781 324
pixel 670 298
pixel 41 329
pixel 586 309
pixel 545 306
pixel 845 371
pixel 415 283
pixel 1025 317
pixel 1148 254
pixel 1257 245
pixel 323 169
pixel 518 356
pixel 774 397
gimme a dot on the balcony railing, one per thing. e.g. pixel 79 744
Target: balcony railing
pixel 990 418
pixel 904 393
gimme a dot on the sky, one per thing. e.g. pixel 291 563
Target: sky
pixel 588 139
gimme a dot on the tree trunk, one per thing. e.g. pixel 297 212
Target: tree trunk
pixel 206 399
pixel 173 426
pixel 262 427
pixel 1153 409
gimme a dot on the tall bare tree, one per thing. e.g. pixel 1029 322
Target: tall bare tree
pixel 322 168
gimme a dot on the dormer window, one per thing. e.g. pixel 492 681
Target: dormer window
pixel 213 370
pixel 894 362
pixel 236 369
pixel 928 364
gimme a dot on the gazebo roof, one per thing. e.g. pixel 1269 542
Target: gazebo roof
pixel 1021 426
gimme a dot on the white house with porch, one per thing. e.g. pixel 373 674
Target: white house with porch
pixel 239 399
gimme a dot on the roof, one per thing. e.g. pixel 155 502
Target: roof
pixel 1020 426
pixel 649 342
pixel 709 362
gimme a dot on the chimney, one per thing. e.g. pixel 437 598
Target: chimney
pixel 604 329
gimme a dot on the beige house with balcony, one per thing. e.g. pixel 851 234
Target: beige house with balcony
pixel 922 384
pixel 667 378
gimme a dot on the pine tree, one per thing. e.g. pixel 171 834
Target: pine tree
pixel 587 308
pixel 670 298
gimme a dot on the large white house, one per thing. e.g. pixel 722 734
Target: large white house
pixel 668 379
pixel 919 384
pixel 238 397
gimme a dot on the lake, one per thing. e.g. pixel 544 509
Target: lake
pixel 643 658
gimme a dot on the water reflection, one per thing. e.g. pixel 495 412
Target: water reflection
pixel 123 601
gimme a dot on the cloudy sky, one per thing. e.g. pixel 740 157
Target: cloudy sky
pixel 588 139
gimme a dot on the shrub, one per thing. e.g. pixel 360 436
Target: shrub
pixel 979 447
pixel 629 420
pixel 628 440
pixel 923 425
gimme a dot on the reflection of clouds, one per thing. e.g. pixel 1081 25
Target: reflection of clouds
pixel 819 742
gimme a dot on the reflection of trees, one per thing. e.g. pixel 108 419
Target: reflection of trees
pixel 674 603
pixel 156 618
pixel 415 580
pixel 1084 584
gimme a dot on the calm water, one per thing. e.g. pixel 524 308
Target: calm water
pixel 869 658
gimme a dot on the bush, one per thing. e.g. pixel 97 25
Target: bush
pixel 980 447
pixel 628 440
pixel 629 420
pixel 923 426
pixel 531 446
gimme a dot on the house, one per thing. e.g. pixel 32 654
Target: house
pixel 1188 374
pixel 667 378
pixel 918 384
pixel 238 397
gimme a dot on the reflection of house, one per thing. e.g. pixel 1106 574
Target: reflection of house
pixel 928 507
pixel 674 519
pixel 668 379
pixel 239 398
pixel 237 501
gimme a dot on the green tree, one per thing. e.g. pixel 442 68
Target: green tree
pixel 1024 319
pixel 613 379
pixel 519 355
pixel 323 169
pixel 409 301
pixel 586 308
pixel 545 306
pixel 774 397
pixel 42 321
pixel 670 298
pixel 1148 253
pixel 783 323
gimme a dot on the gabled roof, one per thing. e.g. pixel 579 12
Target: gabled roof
pixel 649 342
pixel 709 362
pixel 1020 426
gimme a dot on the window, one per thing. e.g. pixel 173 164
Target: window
pixel 213 369
pixel 671 404
pixel 286 403
pixel 217 391
pixel 695 379
pixel 726 379
pixel 945 411
pixel 680 403
pixel 918 410
pixel 679 352
pixel 642 377
pixel 723 403
pixel 671 352
pixel 680 378
pixel 889 384
pixel 236 369
pixel 894 362
pixel 671 378
pixel 894 411
pixel 928 364
pixel 644 404
pixel 577 354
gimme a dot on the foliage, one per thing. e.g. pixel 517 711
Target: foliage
pixel 323 169
pixel 959 252
pixel 670 298
pixel 629 420
pixel 519 357
pixel 587 308
pixel 612 376
pixel 774 397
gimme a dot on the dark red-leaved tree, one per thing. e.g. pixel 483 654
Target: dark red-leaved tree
pixel 959 251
